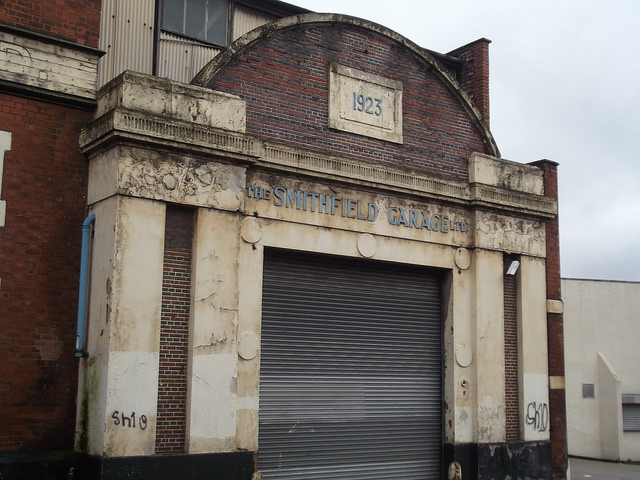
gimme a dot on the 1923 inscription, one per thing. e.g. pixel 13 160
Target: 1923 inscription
pixel 366 104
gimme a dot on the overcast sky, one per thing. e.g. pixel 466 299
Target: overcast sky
pixel 565 86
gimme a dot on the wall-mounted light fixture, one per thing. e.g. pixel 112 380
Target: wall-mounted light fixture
pixel 513 268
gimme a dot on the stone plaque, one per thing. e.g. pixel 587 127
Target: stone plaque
pixel 365 104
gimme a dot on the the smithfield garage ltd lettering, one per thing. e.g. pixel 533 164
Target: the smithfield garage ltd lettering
pixel 356 209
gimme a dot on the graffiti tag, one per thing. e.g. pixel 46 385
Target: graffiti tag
pixel 538 416
pixel 129 421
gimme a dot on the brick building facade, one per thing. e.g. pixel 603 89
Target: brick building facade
pixel 312 144
pixel 43 178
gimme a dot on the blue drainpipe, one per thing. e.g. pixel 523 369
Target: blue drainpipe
pixel 84 280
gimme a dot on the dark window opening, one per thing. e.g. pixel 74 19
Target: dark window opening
pixel 205 20
pixel 588 390
pixel 631 417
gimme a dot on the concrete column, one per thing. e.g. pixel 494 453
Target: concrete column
pixel 118 397
pixel 134 341
pixel 212 399
pixel 92 385
pixel 461 366
pixel 489 338
pixel 532 349
pixel 249 327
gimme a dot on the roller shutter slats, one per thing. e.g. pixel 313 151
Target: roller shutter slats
pixel 631 417
pixel 350 375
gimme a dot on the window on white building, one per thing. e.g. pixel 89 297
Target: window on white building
pixel 588 390
pixel 631 418
pixel 202 19
pixel 631 412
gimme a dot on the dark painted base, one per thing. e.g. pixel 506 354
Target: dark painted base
pixel 36 465
pixel 214 466
pixel 489 461
pixel 519 460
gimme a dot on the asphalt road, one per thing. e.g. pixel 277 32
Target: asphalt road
pixel 582 469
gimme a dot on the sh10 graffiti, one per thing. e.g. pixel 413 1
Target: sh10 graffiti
pixel 129 421
pixel 538 416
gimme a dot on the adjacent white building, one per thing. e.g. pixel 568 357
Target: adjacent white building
pixel 602 349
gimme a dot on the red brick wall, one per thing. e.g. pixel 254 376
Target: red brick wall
pixel 284 80
pixel 512 390
pixel 44 186
pixel 555 328
pixel 174 331
pixel 474 73
pixel 73 20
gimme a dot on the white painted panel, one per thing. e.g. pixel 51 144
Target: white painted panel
pixel 212 423
pixel 464 425
pixel 535 406
pixel 131 404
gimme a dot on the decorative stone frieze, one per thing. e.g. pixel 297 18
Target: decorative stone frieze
pixel 166 176
pixel 200 124
pixel 494 231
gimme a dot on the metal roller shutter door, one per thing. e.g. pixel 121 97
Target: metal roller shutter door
pixel 631 417
pixel 351 369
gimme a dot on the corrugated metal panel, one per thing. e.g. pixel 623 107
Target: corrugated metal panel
pixel 246 19
pixel 350 375
pixel 181 58
pixel 107 39
pixel 127 35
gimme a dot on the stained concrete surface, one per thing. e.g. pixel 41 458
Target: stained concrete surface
pixel 583 469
